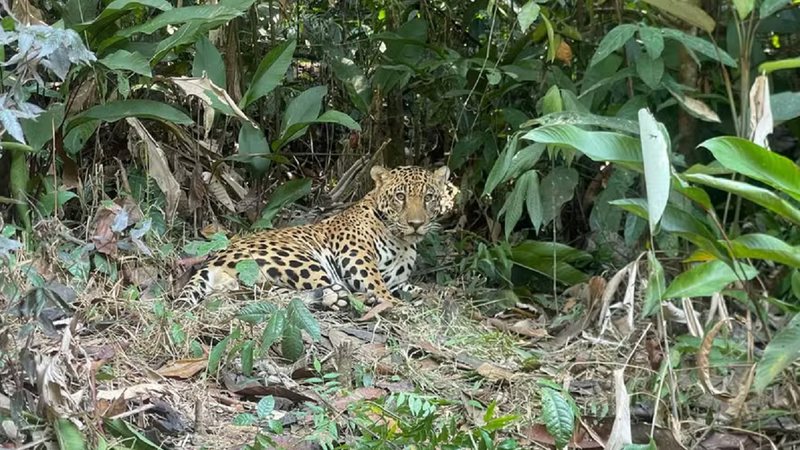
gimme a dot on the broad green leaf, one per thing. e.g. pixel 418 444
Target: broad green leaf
pixel 538 257
pixel 649 446
pixel 54 199
pixel 650 70
pixel 757 195
pixel 527 15
pixel 298 315
pixel 779 64
pixel 248 271
pixel 288 192
pixel 292 343
pixel 524 160
pixel 699 45
pixel 688 12
pixel 68 435
pixel 782 351
pixel 356 83
pixel 182 15
pixel 145 109
pixel 581 118
pixel 549 249
pixel 744 7
pixel 273 330
pixel 270 72
pixel 216 242
pixel 208 60
pixel 655 154
pixel 756 162
pixel 131 61
pixel 244 420
pixel 253 146
pixel 696 194
pixel 40 131
pixel 785 106
pixel 501 165
pixel 707 279
pixel 512 209
pixel 119 8
pixel 770 7
pixel 215 357
pixel 302 109
pixel 331 116
pixel 533 201
pixel 652 39
pixel 795 282
pixel 613 41
pixel 557 188
pixel 247 358
pixel 265 406
pixel 551 103
pixel 597 145
pixel 133 438
pixel 764 246
pixel 656 285
pixel 557 416
pixel 188 33
pixel 256 313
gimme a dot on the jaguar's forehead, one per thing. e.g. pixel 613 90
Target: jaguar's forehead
pixel 411 177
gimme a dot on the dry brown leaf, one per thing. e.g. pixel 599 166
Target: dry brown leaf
pixel 158 168
pixel 26 13
pixel 621 431
pixel 702 361
pixel 184 368
pixel 494 373
pixel 737 403
pixel 202 88
pixel 525 327
pixel 364 393
pixel 144 390
pixel 564 53
pixel 696 107
pixel 760 111
pixel 218 191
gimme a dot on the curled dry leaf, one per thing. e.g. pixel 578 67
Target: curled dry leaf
pixel 564 53
pixel 696 107
pixel 736 404
pixel 143 390
pixel 184 368
pixel 494 373
pixel 158 168
pixel 760 111
pixel 621 431
pixel 702 361
pixel 218 191
pixel 203 88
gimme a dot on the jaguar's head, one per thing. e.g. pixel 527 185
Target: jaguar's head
pixel 410 199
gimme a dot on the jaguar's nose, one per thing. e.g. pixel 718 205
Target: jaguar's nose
pixel 416 224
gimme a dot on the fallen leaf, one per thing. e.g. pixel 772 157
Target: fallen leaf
pixel 184 368
pixel 364 393
pixel 158 168
pixel 143 390
pixel 494 373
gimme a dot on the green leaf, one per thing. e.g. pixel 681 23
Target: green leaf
pixel 252 146
pixel 40 131
pixel 49 201
pixel 538 257
pixel 558 416
pixel 782 351
pixel 656 285
pixel 650 70
pixel 527 15
pixel 613 41
pixel 247 358
pixel 131 61
pixel 215 357
pixel 355 82
pixel 68 435
pixel 533 201
pixel 757 195
pixel 244 420
pixel 273 331
pixel 699 45
pixel 248 271
pixel 292 343
pixel 688 12
pixel 524 160
pixel 501 165
pixel 655 153
pixel 302 109
pixel 744 7
pixel 118 9
pixel 795 282
pixel 265 406
pixel 764 246
pixel 581 118
pixel 652 39
pixel 208 60
pixel 188 33
pixel 785 106
pixel 770 7
pixel 756 162
pixel 649 446
pixel 512 209
pixel 270 72
pixel 146 109
pixel 597 145
pixel 199 13
pixel 557 188
pixel 299 316
pixel 551 103
pixel 256 313
pixel 133 438
pixel 706 279
pixel 216 242
pixel 288 192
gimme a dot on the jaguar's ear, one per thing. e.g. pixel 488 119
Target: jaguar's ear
pixel 442 173
pixel 379 174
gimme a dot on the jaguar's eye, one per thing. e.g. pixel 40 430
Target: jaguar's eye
pixel 428 198
pixel 400 196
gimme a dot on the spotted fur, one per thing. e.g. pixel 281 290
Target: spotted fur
pixel 368 248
